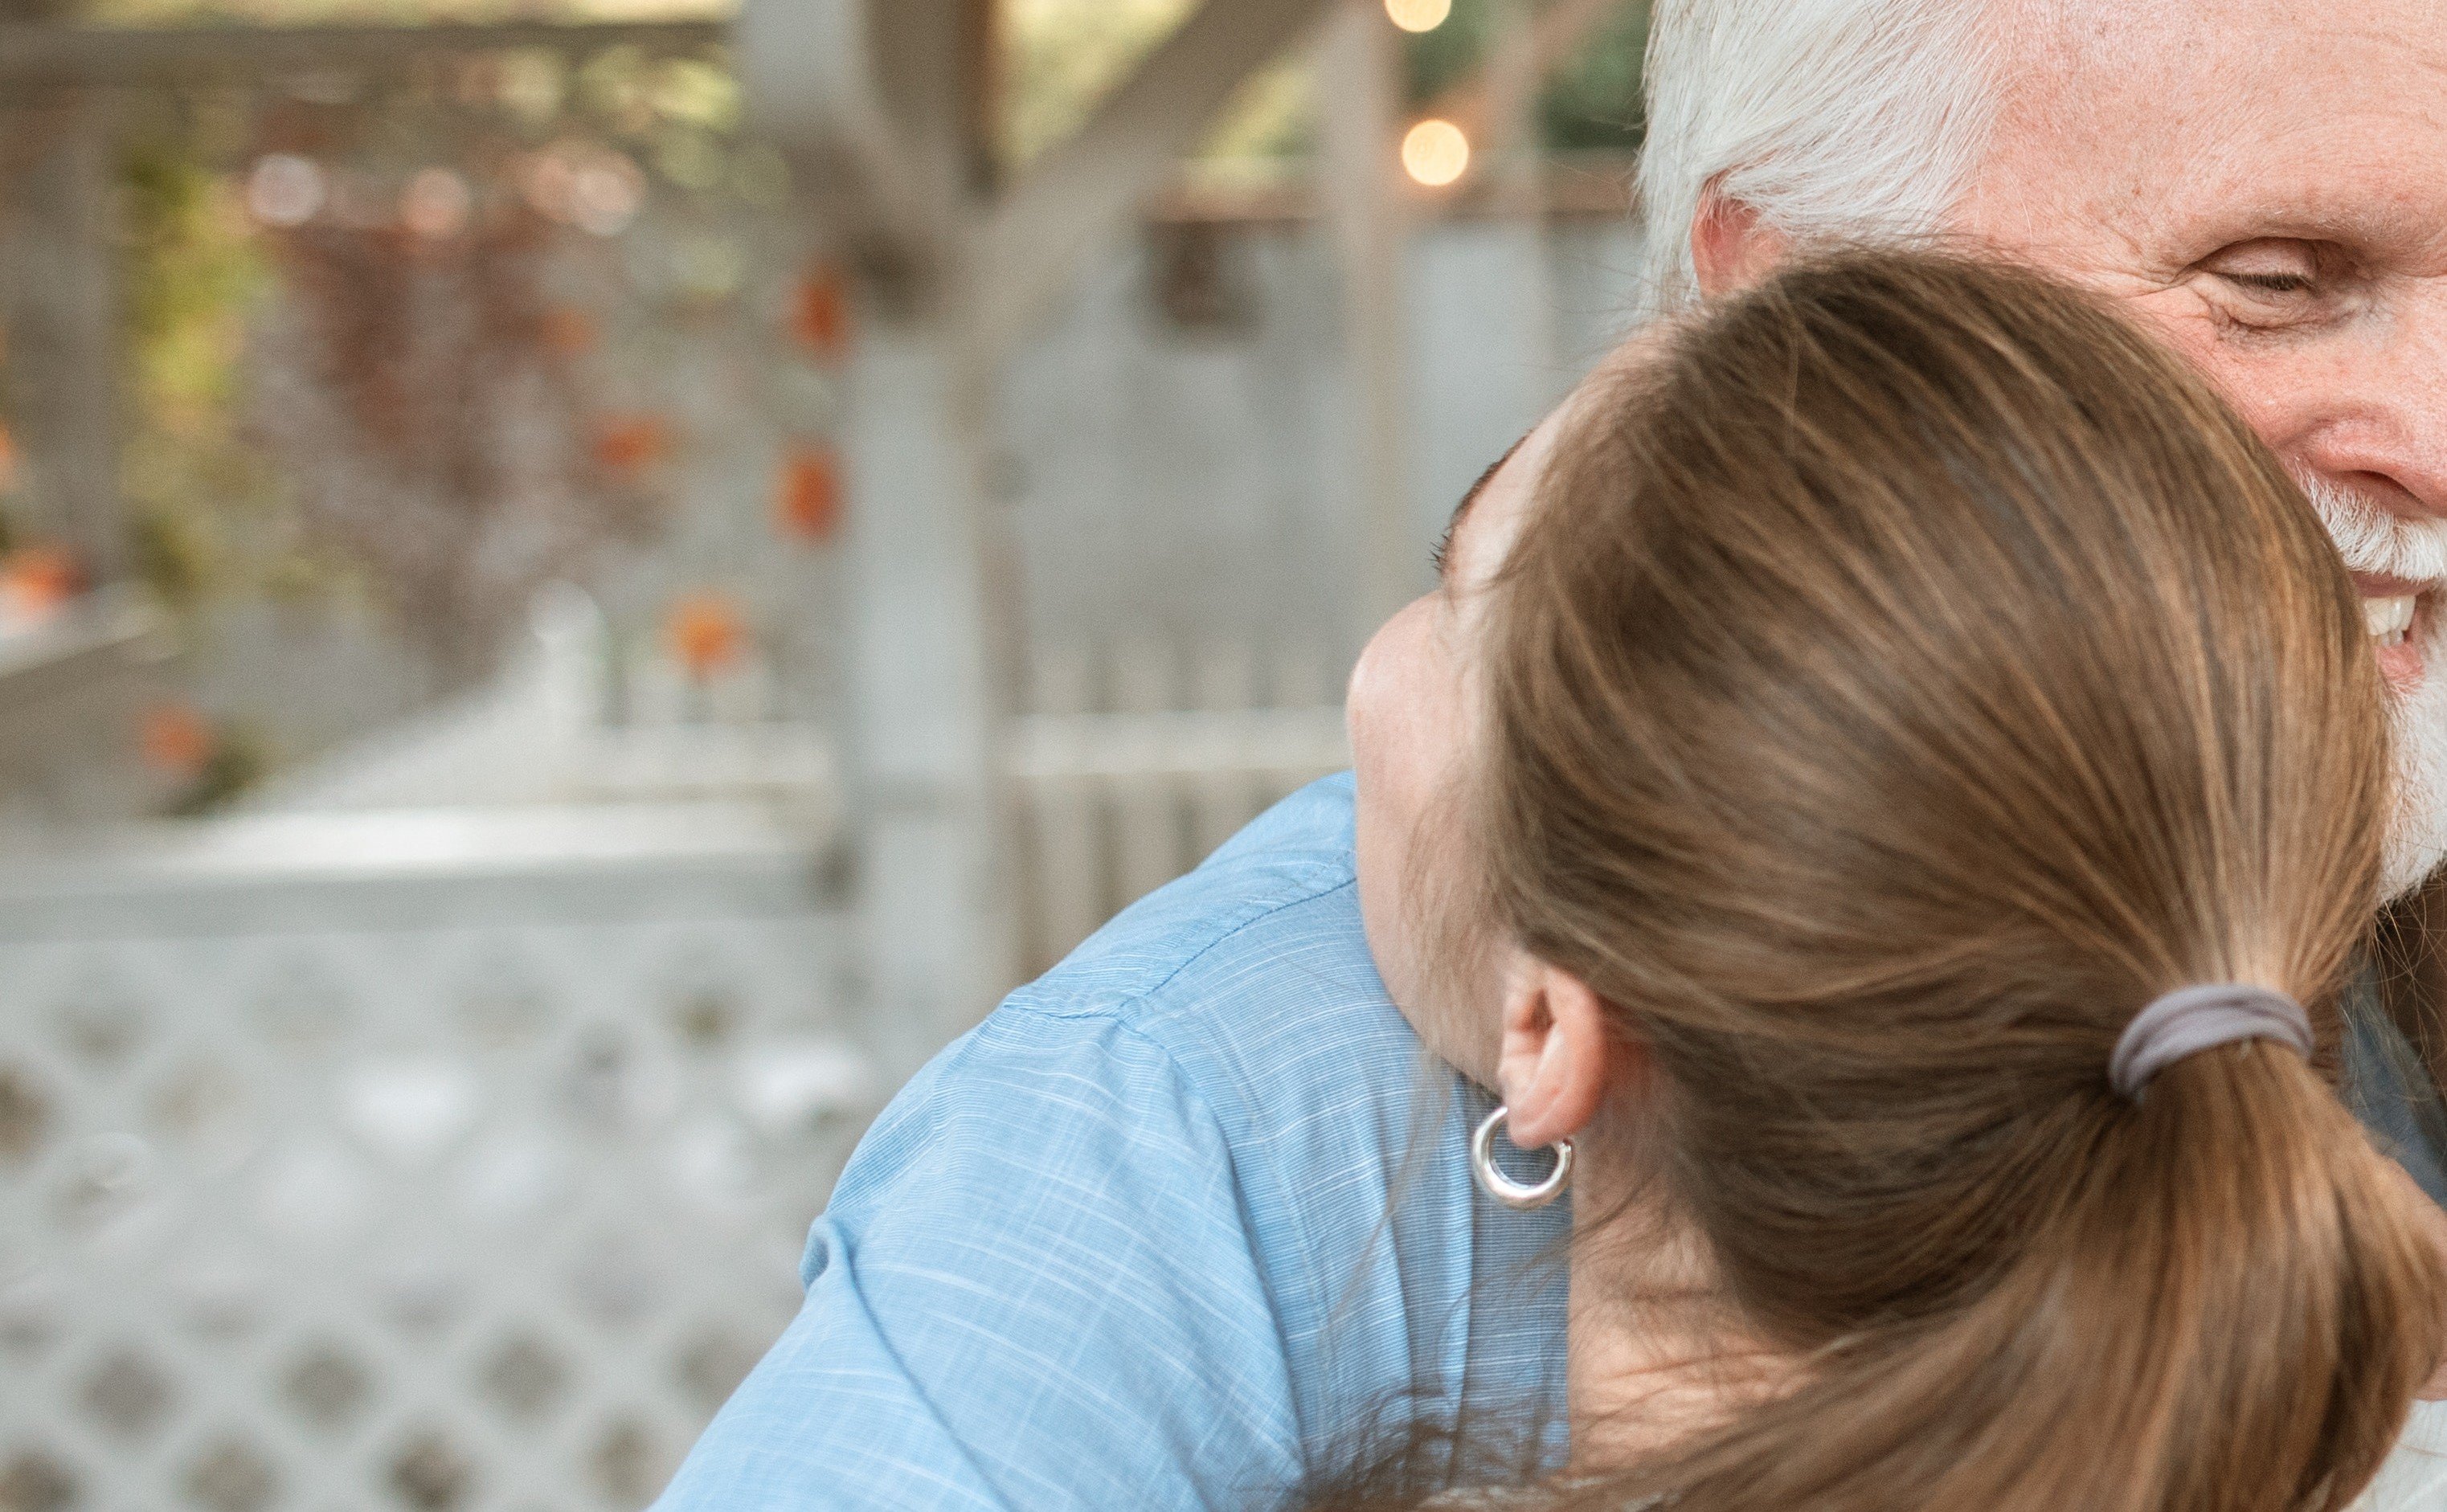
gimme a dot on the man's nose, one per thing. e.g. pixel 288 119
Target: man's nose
pixel 2384 430
pixel 2406 477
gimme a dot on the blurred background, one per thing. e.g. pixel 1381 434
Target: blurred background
pixel 583 585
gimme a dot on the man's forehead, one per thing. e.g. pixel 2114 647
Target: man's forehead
pixel 2147 41
pixel 2278 118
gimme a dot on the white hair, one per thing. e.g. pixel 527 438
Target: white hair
pixel 1858 120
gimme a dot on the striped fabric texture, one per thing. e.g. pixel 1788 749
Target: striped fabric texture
pixel 1173 1228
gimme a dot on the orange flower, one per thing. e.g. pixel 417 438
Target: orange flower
pixel 820 312
pixel 707 632
pixel 177 739
pixel 808 503
pixel 37 579
pixel 631 444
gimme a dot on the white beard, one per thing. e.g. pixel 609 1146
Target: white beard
pixel 2416 839
pixel 2375 541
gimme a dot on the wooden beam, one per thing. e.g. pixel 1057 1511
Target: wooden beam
pixel 1587 186
pixel 817 91
pixel 1086 191
pixel 34 56
pixel 874 102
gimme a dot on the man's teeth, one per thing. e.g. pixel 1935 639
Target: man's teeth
pixel 2388 618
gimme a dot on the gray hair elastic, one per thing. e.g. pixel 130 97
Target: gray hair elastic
pixel 2194 1019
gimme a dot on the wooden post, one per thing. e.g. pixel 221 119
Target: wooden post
pixel 1367 204
pixel 883 120
pixel 877 100
pixel 1087 191
pixel 928 691
pixel 59 309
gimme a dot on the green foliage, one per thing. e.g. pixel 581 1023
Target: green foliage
pixel 193 272
pixel 1594 102
pixel 1060 56
pixel 241 760
pixel 1436 60
pixel 1272 120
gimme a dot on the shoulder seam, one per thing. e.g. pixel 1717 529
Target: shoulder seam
pixel 1249 924
pixel 1019 1002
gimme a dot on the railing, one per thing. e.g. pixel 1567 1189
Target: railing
pixel 1116 805
pixel 358 1152
pixel 74 683
pixel 438 1162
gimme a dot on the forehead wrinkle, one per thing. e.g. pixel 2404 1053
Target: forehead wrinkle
pixel 2306 57
pixel 2209 122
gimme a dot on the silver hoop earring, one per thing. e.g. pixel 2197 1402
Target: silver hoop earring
pixel 1518 1196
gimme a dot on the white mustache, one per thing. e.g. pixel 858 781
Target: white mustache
pixel 2375 541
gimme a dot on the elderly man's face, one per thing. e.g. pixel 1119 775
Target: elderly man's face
pixel 2264 182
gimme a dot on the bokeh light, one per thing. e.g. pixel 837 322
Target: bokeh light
pixel 1419 16
pixel 285 190
pixel 436 203
pixel 1435 153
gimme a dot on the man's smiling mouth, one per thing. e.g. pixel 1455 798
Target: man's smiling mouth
pixel 2389 618
pixel 2401 615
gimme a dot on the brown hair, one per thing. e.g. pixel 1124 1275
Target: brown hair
pixel 1909 674
pixel 2410 957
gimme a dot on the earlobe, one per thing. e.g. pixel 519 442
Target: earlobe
pixel 1731 248
pixel 1559 1054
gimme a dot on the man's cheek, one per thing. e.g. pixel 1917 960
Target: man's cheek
pixel 2180 316
pixel 2278 384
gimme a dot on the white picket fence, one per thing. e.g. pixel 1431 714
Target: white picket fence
pixel 364 1150
pixel 1135 763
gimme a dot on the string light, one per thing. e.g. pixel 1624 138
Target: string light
pixel 1419 16
pixel 1435 153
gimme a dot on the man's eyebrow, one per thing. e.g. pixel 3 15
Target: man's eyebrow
pixel 1444 542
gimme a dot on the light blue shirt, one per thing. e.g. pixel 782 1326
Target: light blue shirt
pixel 1177 1223
pixel 1173 1228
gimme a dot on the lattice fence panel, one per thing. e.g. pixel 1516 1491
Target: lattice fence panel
pixel 486 1211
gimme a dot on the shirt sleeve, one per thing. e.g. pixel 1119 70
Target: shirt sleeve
pixel 1034 1288
pixel 2414 1477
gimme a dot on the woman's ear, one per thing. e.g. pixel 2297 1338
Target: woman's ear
pixel 1561 1055
pixel 1731 247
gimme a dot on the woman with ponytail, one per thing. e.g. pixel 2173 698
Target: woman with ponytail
pixel 1924 791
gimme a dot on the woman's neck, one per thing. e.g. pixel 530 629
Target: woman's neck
pixel 1654 1351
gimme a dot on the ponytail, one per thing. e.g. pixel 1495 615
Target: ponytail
pixel 1909 672
pixel 2230 1308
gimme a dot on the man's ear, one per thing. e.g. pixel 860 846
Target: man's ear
pixel 1562 1054
pixel 1731 247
